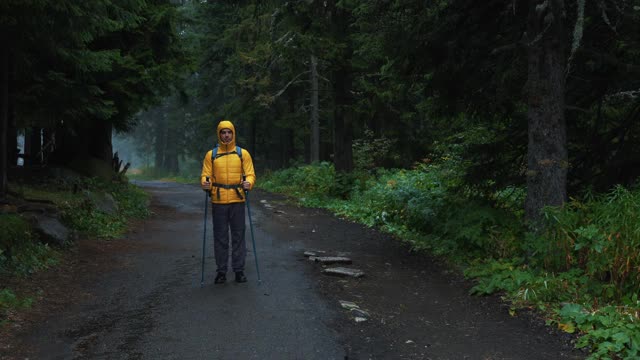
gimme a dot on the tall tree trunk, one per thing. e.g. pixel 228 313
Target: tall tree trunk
pixel 289 135
pixel 160 138
pixel 12 138
pixel 343 128
pixel 547 159
pixel 48 143
pixel 100 146
pixel 35 146
pixel 315 116
pixel 4 120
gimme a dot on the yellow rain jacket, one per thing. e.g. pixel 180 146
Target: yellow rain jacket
pixel 228 168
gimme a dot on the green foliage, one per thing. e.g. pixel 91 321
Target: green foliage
pixel 524 286
pixel 78 210
pixel 20 251
pixel 601 236
pixel 610 332
pixel 81 214
pixel 369 151
pixel 475 228
pixel 311 184
pixel 114 56
pixel 422 205
pixel 10 301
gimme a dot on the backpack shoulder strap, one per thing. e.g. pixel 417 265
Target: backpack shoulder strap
pixel 239 151
pixel 214 153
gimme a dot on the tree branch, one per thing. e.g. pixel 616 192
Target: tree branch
pixel 281 91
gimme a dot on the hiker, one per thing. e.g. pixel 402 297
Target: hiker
pixel 227 172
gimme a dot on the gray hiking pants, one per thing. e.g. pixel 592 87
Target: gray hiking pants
pixel 229 218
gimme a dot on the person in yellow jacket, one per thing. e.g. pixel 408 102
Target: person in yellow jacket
pixel 227 177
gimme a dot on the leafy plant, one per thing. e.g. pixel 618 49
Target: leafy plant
pixel 600 236
pixel 610 332
pixel 20 251
pixel 81 215
pixel 9 301
pixel 311 184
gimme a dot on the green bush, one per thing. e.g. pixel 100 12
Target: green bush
pixel 9 300
pixel 80 214
pixel 311 184
pixel 424 205
pixel 476 229
pixel 601 236
pixel 20 251
pixel 610 332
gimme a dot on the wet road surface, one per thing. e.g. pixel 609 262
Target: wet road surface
pixel 141 297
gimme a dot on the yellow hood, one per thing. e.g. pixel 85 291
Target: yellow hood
pixel 226 124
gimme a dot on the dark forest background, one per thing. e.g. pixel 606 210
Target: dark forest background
pixel 540 94
pixel 502 135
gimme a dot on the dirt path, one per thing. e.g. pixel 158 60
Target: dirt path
pixel 140 297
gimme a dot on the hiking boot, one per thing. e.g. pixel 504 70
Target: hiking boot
pixel 221 278
pixel 240 278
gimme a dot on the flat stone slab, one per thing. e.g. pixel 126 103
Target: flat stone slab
pixel 342 271
pixel 358 314
pixel 313 253
pixel 330 259
pixel 348 305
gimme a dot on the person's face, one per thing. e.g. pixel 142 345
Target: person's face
pixel 226 135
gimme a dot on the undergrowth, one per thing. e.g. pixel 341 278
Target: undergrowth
pixel 23 253
pixel 582 273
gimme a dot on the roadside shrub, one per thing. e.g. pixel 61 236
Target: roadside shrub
pixel 9 301
pixel 20 251
pixel 370 152
pixel 80 214
pixel 601 236
pixel 609 332
pixel 409 197
pixel 312 184
pixel 524 286
pixel 475 228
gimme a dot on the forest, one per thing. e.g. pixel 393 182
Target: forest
pixel 507 131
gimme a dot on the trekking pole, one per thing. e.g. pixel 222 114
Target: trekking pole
pixel 253 240
pixel 204 236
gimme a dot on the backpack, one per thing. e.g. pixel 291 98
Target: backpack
pixel 215 155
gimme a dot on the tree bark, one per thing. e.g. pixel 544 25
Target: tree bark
pixel 33 144
pixel 547 158
pixel 315 123
pixel 343 129
pixel 100 146
pixel 343 77
pixel 4 121
pixel 48 143
pixel 160 139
